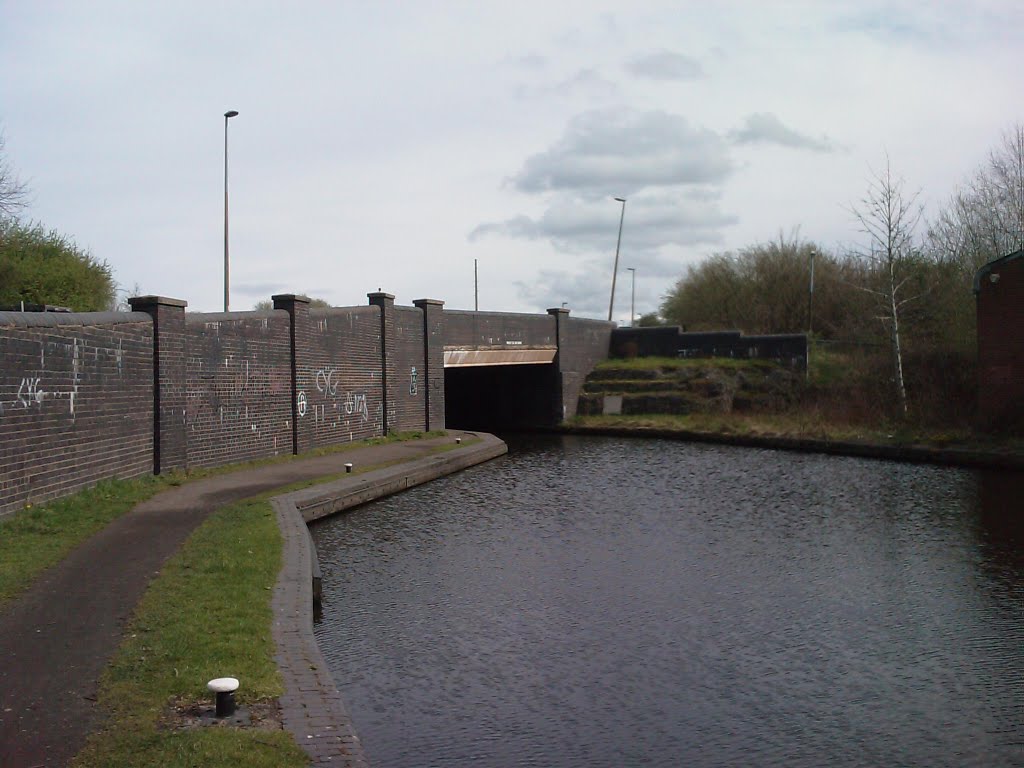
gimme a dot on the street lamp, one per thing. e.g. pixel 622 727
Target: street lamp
pixel 632 299
pixel 615 270
pixel 227 116
pixel 810 295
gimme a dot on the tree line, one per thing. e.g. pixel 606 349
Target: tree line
pixel 907 288
pixel 767 287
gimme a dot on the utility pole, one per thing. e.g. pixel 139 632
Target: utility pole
pixel 476 289
pixel 615 269
pixel 227 292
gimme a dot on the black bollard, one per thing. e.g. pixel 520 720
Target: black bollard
pixel 225 688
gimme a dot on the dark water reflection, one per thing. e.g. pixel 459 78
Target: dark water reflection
pixel 601 602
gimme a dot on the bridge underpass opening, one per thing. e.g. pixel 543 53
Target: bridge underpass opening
pixel 501 396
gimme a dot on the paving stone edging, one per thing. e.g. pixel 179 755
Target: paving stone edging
pixel 312 709
pixel 922 454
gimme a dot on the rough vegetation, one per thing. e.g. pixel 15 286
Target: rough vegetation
pixel 39 266
pixel 845 394
pixel 893 317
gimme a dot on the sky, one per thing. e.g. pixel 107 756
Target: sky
pixel 392 145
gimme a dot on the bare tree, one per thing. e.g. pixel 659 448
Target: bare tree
pixel 985 219
pixel 889 217
pixel 1006 186
pixel 13 191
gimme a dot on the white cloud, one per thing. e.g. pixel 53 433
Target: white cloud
pixel 652 220
pixel 620 151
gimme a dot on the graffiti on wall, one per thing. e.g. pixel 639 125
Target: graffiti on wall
pixel 331 403
pixel 325 383
pixel 356 404
pixel 413 385
pixel 31 391
pixel 233 390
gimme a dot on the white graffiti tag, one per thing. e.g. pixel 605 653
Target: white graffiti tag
pixel 413 386
pixel 29 392
pixel 325 383
pixel 357 404
pixel 302 404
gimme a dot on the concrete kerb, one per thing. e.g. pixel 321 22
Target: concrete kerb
pixel 920 454
pixel 312 709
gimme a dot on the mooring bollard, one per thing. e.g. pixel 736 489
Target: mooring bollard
pixel 225 688
pixel 458 440
pixel 348 468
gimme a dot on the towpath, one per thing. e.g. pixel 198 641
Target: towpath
pixel 59 636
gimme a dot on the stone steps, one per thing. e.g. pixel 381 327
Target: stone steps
pixel 699 388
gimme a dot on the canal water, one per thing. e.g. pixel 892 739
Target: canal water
pixel 608 602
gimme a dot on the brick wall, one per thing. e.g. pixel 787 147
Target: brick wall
pixel 238 386
pixel 433 344
pixel 407 374
pixel 76 402
pixel 999 289
pixel 340 376
pixel 84 397
pixel 497 330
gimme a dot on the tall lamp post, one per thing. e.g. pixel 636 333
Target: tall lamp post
pixel 227 116
pixel 632 298
pixel 615 270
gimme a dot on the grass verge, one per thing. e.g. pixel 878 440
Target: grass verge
pixel 37 537
pixel 207 615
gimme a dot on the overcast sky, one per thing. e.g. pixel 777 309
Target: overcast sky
pixel 388 145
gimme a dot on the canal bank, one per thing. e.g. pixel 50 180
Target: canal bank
pixel 969 457
pixel 110 648
pixel 312 708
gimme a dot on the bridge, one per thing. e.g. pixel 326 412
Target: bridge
pixel 85 396
pixel 506 371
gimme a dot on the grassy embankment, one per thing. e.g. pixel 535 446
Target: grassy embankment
pixel 39 536
pixel 841 399
pixel 227 569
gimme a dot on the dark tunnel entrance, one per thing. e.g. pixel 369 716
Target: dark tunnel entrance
pixel 496 398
